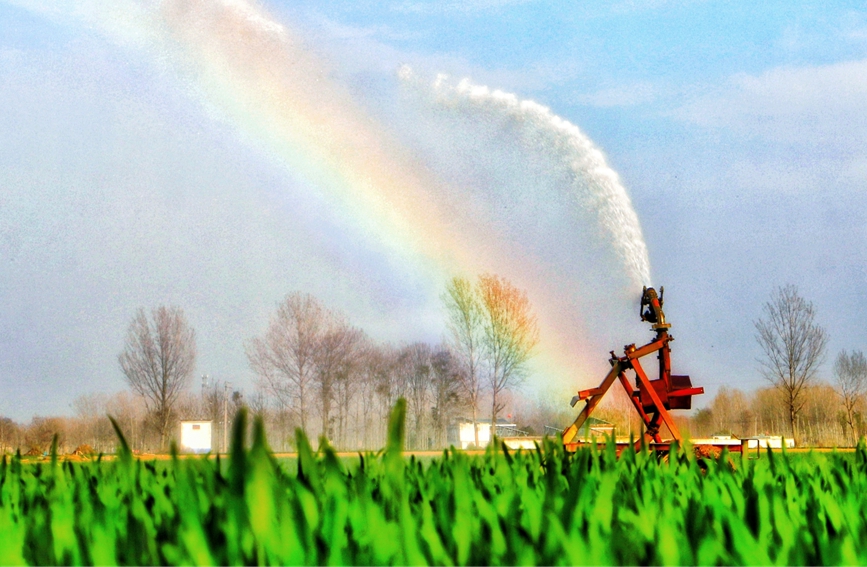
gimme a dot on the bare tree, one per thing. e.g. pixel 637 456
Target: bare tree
pixel 446 393
pixel 130 412
pixel 416 367
pixel 510 336
pixel 94 428
pixel 701 424
pixel 851 373
pixel 543 413
pixel 10 434
pixel 258 405
pixel 158 360
pixel 347 376
pixel 369 370
pixel 731 413
pixel 391 386
pixel 794 347
pixel 39 434
pixel 285 358
pixel 337 355
pixel 261 407
pixel 817 423
pixel 768 410
pixel 466 337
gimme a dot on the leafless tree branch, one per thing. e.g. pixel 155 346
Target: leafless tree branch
pixel 793 345
pixel 158 359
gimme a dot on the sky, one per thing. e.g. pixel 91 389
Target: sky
pixel 221 155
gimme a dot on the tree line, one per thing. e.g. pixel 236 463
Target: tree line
pixel 315 370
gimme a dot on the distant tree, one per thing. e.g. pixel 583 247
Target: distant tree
pixel 544 412
pixel 415 364
pixel 337 356
pixel 276 419
pixel 466 338
pixel 130 412
pixel 510 336
pixel 285 358
pixel 820 421
pixel 372 366
pixel 338 360
pixel 40 432
pixel 158 359
pixel 731 412
pixel 793 345
pixel 259 407
pixel 9 435
pixel 390 386
pixel 446 393
pixel 702 423
pixel 93 427
pixel 851 373
pixel 768 407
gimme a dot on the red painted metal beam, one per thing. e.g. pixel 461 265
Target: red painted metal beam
pixel 666 417
pixel 646 349
pixel 570 432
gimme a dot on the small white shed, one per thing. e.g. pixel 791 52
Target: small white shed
pixel 196 436
pixel 772 441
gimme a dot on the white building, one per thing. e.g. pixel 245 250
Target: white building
pixel 196 436
pixel 759 441
pixel 717 440
pixel 772 441
pixel 463 435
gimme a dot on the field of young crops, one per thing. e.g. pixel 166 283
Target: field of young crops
pixel 537 507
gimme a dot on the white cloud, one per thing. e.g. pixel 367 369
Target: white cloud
pixel 824 105
pixel 127 22
pixel 585 9
pixel 629 95
pixel 340 31
pixel 857 35
pixel 369 51
pixel 854 26
pixel 466 7
pixel 628 6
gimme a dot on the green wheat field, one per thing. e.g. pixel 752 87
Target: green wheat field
pixel 542 507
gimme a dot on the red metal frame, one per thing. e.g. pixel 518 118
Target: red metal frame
pixel 652 399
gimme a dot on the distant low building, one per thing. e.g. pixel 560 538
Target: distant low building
pixel 461 433
pixel 196 436
pixel 772 441
pixel 717 440
pixel 757 441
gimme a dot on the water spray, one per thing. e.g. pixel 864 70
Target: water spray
pixel 592 181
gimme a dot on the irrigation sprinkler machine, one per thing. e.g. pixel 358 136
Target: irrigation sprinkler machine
pixel 653 400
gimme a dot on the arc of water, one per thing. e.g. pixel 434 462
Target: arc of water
pixel 593 182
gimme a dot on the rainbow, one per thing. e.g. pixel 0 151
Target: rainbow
pixel 259 77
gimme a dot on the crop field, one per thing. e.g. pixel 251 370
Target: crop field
pixel 537 507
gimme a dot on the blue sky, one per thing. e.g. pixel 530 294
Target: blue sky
pixel 739 131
